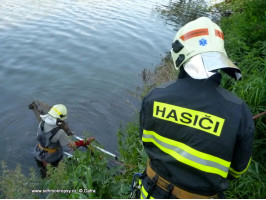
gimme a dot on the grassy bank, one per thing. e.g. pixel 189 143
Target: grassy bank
pixel 245 43
pixel 88 174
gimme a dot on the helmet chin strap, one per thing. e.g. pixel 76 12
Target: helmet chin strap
pixel 196 68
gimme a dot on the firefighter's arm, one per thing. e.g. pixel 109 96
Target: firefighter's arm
pixel 141 118
pixel 65 141
pixel 243 145
pixel 143 113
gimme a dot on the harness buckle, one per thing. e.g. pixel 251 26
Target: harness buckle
pixel 154 180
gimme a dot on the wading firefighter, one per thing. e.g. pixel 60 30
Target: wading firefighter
pixel 52 138
pixel 197 135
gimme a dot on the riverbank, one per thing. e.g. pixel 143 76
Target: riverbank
pixel 87 175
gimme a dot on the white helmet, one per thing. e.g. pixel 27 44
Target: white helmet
pixel 58 111
pixel 200 44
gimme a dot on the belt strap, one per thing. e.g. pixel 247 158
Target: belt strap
pixel 47 149
pixel 176 191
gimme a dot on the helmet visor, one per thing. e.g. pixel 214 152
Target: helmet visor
pixel 218 60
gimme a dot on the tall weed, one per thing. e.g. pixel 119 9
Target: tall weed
pixel 15 185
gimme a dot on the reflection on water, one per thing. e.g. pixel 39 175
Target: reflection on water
pixel 178 13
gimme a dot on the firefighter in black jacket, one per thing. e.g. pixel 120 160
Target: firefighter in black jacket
pixel 196 134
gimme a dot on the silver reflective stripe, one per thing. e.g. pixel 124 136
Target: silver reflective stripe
pixel 143 195
pixel 187 155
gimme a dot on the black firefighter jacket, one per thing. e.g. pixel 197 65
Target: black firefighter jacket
pixel 196 134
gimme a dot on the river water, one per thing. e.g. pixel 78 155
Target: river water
pixel 86 54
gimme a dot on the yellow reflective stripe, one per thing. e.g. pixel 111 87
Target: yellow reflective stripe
pixel 194 152
pixel 57 111
pixel 188 117
pixel 144 193
pixel 187 155
pixel 237 174
pixel 234 175
pixel 189 149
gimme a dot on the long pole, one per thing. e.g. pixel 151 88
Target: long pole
pixel 259 115
pixel 100 149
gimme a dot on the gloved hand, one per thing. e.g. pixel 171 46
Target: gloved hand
pixel 82 143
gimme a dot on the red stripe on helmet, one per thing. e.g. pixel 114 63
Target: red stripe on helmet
pixel 219 34
pixel 195 33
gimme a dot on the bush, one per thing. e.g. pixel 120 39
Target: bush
pixel 244 32
pixel 15 185
pixel 87 175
